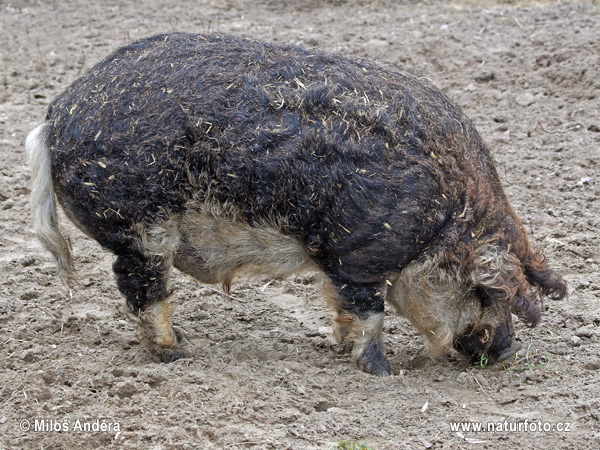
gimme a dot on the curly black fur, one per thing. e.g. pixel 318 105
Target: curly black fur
pixel 278 131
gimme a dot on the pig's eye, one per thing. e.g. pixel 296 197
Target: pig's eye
pixel 485 336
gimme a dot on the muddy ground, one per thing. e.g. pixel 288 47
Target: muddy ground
pixel 263 371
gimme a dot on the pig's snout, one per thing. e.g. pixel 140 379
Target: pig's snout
pixel 503 344
pixel 498 344
pixel 508 352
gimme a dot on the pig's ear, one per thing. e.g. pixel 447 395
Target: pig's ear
pixel 538 273
pixel 524 306
pixel 500 276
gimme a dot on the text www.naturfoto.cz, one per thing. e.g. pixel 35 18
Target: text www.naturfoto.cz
pixel 514 427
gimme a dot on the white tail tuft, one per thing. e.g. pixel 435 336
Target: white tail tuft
pixel 43 203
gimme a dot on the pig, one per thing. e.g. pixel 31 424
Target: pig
pixel 219 155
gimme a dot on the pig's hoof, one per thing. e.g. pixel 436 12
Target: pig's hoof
pixel 374 361
pixel 379 366
pixel 167 355
pixel 172 353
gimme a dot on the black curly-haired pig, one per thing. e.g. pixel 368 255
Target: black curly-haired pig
pixel 218 155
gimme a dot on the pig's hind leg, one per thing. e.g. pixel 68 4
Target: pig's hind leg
pixel 143 280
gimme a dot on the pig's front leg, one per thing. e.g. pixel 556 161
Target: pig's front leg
pixel 359 310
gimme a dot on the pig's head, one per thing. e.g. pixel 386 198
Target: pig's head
pixel 492 334
pixel 505 284
pixel 469 307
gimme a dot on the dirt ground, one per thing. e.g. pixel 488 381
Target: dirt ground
pixel 263 371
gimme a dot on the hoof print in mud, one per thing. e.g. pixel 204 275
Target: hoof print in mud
pixel 218 155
